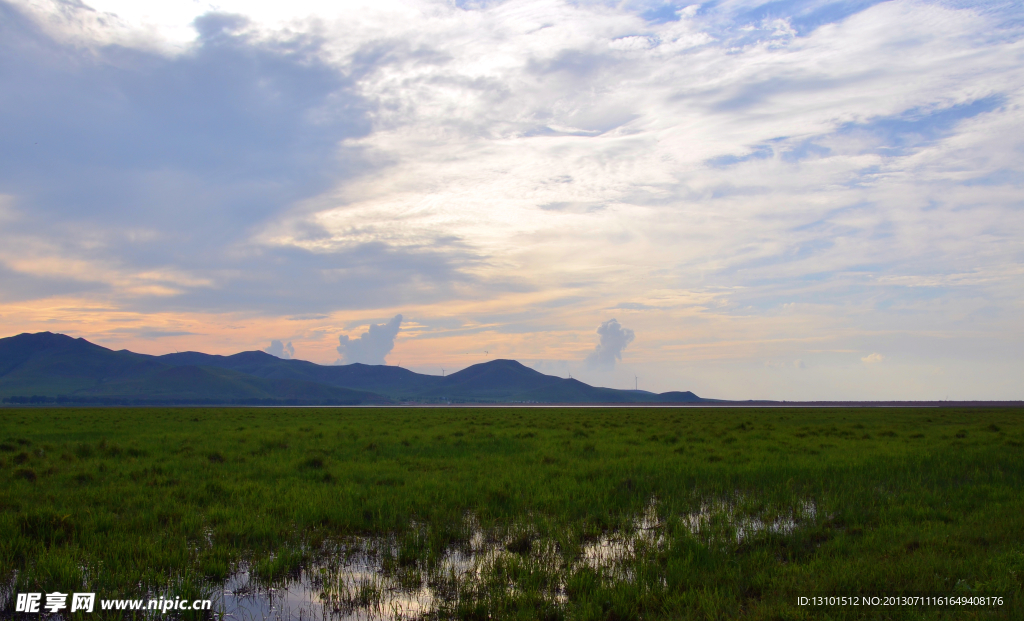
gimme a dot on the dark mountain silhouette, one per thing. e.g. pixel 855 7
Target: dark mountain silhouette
pixel 374 378
pixel 48 367
pixel 494 380
pixel 58 366
pixel 47 363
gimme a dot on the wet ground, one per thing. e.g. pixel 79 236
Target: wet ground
pixel 358 583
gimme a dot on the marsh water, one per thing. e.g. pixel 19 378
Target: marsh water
pixel 358 580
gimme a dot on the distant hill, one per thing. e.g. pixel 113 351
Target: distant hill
pixel 374 378
pixel 47 367
pixel 62 368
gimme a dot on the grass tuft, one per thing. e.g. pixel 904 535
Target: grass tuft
pixel 27 474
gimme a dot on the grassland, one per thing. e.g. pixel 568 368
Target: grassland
pixel 866 501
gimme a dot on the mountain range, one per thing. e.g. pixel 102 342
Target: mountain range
pixel 55 368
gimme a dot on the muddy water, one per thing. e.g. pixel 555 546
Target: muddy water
pixel 354 584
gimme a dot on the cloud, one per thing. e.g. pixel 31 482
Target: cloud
pixel 275 159
pixel 372 346
pixel 872 358
pixel 195 163
pixel 614 339
pixel 287 352
pixel 633 306
pixel 152 333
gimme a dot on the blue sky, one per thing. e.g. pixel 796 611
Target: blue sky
pixel 790 200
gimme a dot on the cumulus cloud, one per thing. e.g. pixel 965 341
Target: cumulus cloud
pixel 872 358
pixel 614 339
pixel 276 348
pixel 372 346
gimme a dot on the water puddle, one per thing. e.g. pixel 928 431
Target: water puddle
pixel 716 519
pixel 362 592
pixel 366 578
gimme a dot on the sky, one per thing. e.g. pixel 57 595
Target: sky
pixel 794 199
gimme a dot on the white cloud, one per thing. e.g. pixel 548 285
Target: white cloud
pixel 372 346
pixel 614 339
pixel 872 358
pixel 276 348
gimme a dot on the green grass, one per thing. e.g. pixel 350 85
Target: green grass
pixel 130 502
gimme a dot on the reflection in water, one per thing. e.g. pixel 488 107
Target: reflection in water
pixel 718 516
pixel 356 589
pixel 361 579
